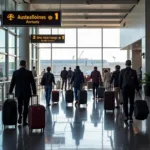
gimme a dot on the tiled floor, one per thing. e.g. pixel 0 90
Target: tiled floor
pixel 73 129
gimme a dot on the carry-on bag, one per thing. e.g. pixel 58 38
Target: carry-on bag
pixel 109 100
pixel 82 97
pixel 36 116
pixel 141 110
pixel 100 92
pixel 89 85
pixel 9 111
pixel 55 96
pixel 69 96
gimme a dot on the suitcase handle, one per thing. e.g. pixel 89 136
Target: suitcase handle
pixel 32 98
pixel 10 94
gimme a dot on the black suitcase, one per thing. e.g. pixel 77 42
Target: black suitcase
pixel 109 100
pixel 141 110
pixel 9 112
pixel 69 96
pixel 82 97
pixel 100 92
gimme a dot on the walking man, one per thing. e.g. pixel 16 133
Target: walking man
pixel 128 82
pixel 24 84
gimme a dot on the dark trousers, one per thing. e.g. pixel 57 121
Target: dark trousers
pixel 23 102
pixel 64 81
pixel 95 87
pixel 48 91
pixel 76 91
pixel 128 94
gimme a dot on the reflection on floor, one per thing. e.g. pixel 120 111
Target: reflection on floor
pixel 68 128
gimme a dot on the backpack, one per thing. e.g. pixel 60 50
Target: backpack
pixel 129 79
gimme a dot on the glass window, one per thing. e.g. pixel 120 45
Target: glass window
pixel 44 31
pixel 68 59
pixel 2 37
pixel 70 37
pixel 2 67
pixel 34 52
pixel 11 66
pixel 111 37
pixel 45 58
pixel 113 57
pixel 11 44
pixel 89 38
pixel 88 58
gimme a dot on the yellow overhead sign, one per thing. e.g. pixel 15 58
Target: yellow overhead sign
pixel 47 38
pixel 31 18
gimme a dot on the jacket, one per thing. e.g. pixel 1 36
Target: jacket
pixel 48 79
pixel 64 74
pixel 123 83
pixel 115 78
pixel 77 78
pixel 96 76
pixel 23 82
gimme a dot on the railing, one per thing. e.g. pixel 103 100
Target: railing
pixel 4 88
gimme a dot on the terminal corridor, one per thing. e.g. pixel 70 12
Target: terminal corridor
pixel 70 128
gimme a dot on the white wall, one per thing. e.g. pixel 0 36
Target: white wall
pixel 135 25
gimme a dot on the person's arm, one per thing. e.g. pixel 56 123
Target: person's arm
pixel 33 84
pixel 136 82
pixel 12 84
pixel 72 79
pixel 100 77
pixel 53 79
pixel 112 78
pixel 35 74
pixel 120 79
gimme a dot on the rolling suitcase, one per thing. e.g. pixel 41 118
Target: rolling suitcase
pixel 109 100
pixel 82 97
pixel 141 110
pixel 89 85
pixel 36 116
pixel 69 96
pixel 100 92
pixel 9 111
pixel 55 96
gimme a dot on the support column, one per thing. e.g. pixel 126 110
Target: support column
pixel 146 40
pixel 24 40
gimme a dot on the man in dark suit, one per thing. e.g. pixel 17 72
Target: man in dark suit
pixel 23 80
pixel 128 82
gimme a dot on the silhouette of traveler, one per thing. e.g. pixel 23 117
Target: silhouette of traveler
pixel 47 80
pixel 34 72
pixel 70 74
pixel 23 80
pixel 107 78
pixel 78 81
pixel 128 82
pixel 96 80
pixel 115 79
pixel 64 75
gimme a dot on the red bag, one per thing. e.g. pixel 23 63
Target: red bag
pixel 36 116
pixel 55 96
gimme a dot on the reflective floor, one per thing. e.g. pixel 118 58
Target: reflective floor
pixel 72 129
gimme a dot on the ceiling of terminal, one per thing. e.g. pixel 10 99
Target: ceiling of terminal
pixel 88 13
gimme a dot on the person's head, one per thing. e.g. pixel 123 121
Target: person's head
pixel 95 68
pixel 70 68
pixel 64 68
pixel 117 67
pixel 105 71
pixel 48 69
pixel 128 63
pixel 23 63
pixel 77 67
pixel 33 68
